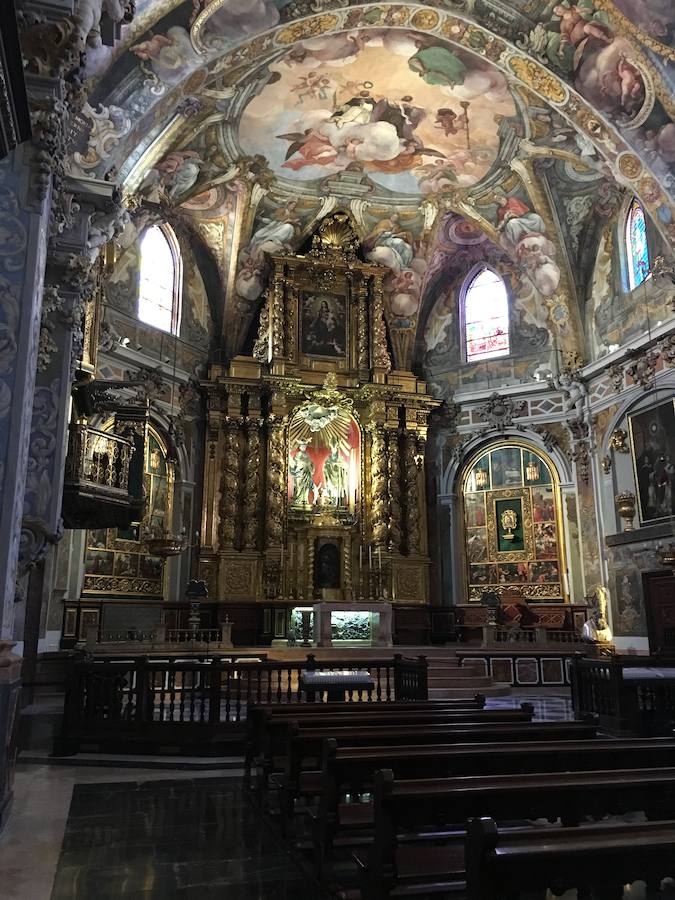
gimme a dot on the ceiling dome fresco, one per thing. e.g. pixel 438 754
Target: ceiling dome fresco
pixel 412 114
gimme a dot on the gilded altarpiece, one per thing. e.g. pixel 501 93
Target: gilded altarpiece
pixel 314 477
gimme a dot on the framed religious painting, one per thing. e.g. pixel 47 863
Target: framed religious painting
pixel 652 436
pixel 323 325
pixel 509 528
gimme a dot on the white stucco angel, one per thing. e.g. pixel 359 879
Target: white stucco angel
pixel 88 17
pixel 574 393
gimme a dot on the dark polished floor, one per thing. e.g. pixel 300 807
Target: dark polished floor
pixel 173 840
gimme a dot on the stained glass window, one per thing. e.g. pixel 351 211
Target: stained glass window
pixel 157 297
pixel 486 316
pixel 637 251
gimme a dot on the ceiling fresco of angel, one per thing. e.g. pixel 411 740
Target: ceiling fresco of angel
pixel 255 118
pixel 395 104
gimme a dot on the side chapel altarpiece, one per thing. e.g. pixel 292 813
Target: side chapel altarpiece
pixel 314 484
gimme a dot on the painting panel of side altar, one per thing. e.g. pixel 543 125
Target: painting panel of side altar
pixel 652 434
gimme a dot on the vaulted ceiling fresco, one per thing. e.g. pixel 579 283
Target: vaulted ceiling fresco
pixel 252 119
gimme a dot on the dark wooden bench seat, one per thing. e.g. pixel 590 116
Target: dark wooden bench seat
pixel 410 806
pixel 259 715
pixel 501 864
pixel 273 735
pixel 347 770
pixel 304 746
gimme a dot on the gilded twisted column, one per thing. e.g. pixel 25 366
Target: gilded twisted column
pixel 230 485
pixel 348 569
pixel 412 498
pixel 275 485
pixel 362 337
pixel 394 487
pixel 378 486
pixel 252 470
pixel 277 315
pixel 380 352
pixel 310 569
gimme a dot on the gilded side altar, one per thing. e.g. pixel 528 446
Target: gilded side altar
pixel 314 488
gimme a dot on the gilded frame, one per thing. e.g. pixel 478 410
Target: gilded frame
pixel 496 555
pixel 548 592
pixel 670 450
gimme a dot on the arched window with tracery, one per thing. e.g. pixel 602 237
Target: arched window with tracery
pixel 485 314
pixel 159 284
pixel 635 242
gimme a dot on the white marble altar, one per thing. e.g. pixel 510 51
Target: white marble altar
pixel 380 619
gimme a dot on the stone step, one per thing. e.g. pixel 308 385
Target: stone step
pixel 462 693
pixel 454 673
pixel 477 681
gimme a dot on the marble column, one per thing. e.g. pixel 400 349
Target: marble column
pixel 10 684
pixel 22 251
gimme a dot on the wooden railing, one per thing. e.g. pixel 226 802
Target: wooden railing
pixel 98 458
pixel 500 635
pixel 199 703
pixel 626 705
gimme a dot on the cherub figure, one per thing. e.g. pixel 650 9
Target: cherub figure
pixel 574 392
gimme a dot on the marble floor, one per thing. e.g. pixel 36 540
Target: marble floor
pixel 93 834
pixel 550 704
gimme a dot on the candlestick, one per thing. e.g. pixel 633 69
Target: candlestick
pixel 379 559
pixel 370 556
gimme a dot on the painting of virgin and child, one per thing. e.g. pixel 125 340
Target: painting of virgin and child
pixel 323 330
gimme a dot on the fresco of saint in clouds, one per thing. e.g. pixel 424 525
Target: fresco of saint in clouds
pixel 396 106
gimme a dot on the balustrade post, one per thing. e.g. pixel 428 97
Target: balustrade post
pixel 142 689
pixel 216 670
pixel 423 684
pixel 398 678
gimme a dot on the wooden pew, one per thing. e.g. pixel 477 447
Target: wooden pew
pixel 304 746
pixel 351 770
pixel 417 808
pixel 274 730
pixel 604 858
pixel 259 715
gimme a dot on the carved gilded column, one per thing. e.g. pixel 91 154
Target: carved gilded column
pixel 412 497
pixel 362 338
pixel 394 486
pixel 381 359
pixel 211 481
pixel 230 485
pixel 277 314
pixel 310 569
pixel 378 486
pixel 275 484
pixel 348 569
pixel 252 486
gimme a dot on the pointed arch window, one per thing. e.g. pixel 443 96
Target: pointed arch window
pixel 637 249
pixel 159 286
pixel 485 303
